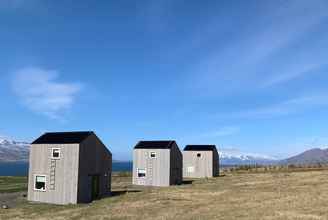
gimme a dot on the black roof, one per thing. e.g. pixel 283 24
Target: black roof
pixel 154 145
pixel 200 148
pixel 63 137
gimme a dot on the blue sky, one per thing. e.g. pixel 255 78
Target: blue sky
pixel 247 75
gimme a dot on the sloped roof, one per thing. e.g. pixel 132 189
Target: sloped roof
pixel 200 148
pixel 63 137
pixel 154 144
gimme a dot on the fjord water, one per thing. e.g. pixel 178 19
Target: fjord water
pixel 21 168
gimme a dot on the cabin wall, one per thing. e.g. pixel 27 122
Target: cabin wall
pixel 198 167
pixel 157 169
pixel 176 166
pixel 216 163
pixel 66 173
pixel 95 160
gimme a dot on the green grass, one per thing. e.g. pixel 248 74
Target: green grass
pixel 13 184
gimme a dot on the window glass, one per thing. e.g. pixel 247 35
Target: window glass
pixel 56 153
pixel 141 172
pixel 199 155
pixel 152 155
pixel 40 183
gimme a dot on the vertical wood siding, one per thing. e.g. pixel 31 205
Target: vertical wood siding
pixel 216 163
pixel 95 159
pixel 176 166
pixel 204 166
pixel 66 173
pixel 159 167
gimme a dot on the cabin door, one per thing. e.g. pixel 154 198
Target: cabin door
pixel 95 187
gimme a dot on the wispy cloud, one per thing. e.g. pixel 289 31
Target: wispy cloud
pixel 241 61
pixel 224 131
pixel 13 3
pixel 201 136
pixel 292 72
pixel 40 91
pixel 288 107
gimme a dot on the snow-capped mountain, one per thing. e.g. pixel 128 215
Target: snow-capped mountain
pixel 13 150
pixel 235 157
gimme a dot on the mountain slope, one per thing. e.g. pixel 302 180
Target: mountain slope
pixel 13 151
pixel 313 156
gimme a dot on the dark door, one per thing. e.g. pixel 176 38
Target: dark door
pixel 94 187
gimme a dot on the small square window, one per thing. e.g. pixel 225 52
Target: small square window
pixel 199 155
pixel 152 154
pixel 40 183
pixel 141 172
pixel 55 153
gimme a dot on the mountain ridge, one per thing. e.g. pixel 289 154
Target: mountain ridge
pixel 14 151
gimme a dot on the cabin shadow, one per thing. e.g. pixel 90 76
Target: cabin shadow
pixel 187 182
pixel 123 192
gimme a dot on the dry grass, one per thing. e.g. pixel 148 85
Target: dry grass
pixel 293 195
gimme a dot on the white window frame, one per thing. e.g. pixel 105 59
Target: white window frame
pixel 138 173
pixel 190 169
pixel 52 153
pixel 45 183
pixel 150 154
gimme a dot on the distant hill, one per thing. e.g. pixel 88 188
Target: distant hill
pixel 313 156
pixel 13 151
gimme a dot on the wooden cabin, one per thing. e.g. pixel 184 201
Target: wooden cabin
pixel 157 163
pixel 200 161
pixel 69 168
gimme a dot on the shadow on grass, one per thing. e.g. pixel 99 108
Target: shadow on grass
pixel 187 182
pixel 123 192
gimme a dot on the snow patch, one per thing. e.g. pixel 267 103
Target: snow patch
pixel 236 154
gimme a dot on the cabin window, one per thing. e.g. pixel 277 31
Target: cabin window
pixel 152 154
pixel 40 183
pixel 199 155
pixel 141 172
pixel 55 153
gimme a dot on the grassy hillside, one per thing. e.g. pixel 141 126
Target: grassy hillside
pixel 270 195
pixel 12 184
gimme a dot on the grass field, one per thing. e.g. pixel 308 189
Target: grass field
pixel 12 184
pixel 270 195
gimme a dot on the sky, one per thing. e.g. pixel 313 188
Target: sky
pixel 247 75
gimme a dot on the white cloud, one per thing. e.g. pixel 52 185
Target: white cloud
pixel 40 91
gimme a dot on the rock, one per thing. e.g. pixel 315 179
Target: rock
pixel 4 207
